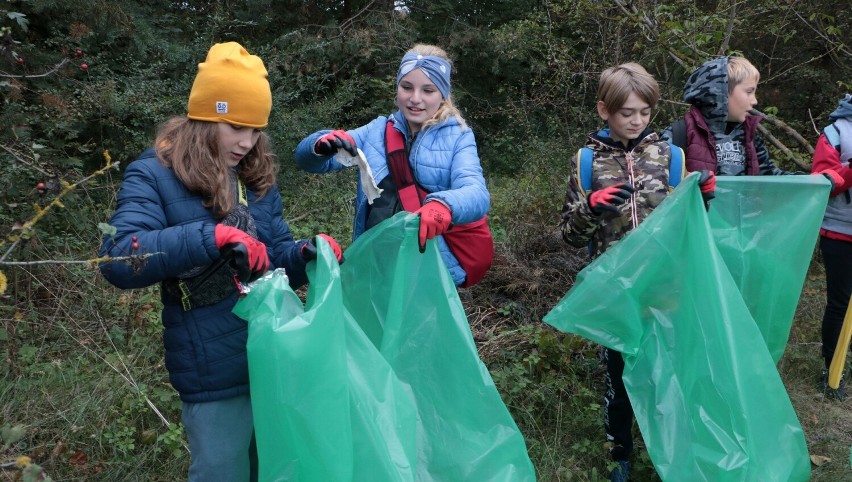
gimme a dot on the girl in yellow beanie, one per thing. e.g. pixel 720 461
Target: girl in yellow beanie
pixel 203 203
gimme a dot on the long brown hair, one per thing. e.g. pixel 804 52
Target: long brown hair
pixel 191 149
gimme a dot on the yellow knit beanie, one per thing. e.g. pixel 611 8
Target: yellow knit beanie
pixel 231 86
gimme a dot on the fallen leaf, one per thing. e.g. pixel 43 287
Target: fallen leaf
pixel 78 458
pixel 818 460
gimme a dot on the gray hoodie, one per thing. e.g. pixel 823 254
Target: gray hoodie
pixel 838 213
pixel 707 89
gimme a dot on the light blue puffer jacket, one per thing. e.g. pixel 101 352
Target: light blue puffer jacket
pixel 443 158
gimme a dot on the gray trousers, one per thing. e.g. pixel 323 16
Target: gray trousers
pixel 221 440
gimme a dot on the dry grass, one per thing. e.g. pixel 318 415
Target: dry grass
pixel 827 422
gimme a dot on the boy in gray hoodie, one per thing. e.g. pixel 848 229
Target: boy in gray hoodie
pixel 717 133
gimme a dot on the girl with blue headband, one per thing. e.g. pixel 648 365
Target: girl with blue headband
pixel 441 155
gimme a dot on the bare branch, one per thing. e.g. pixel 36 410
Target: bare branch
pixel 349 21
pixel 94 261
pixel 631 11
pixel 812 59
pixel 784 149
pixel 25 76
pixel 732 17
pixel 22 161
pixel 838 45
pixel 786 128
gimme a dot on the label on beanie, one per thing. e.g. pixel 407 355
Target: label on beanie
pixel 221 107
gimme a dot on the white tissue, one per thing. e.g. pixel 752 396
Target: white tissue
pixel 368 182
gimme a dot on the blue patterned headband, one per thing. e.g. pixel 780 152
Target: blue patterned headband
pixel 435 68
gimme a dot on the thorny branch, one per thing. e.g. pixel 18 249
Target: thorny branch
pixel 27 228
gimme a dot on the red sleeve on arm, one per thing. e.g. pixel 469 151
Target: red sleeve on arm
pixel 827 157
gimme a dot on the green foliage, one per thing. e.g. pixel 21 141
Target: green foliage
pixel 85 361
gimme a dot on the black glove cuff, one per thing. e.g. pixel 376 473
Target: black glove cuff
pixel 592 209
pixel 309 250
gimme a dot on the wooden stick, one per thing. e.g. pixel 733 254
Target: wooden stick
pixel 838 360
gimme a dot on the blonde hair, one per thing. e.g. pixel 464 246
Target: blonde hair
pixel 447 108
pixel 739 71
pixel 617 83
pixel 191 149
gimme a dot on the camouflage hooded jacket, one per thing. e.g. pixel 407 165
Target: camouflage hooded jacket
pixel 732 149
pixel 645 166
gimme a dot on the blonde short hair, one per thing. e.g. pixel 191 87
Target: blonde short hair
pixel 739 71
pixel 617 83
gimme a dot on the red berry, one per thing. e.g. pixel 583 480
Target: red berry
pixel 20 60
pixel 40 186
pixel 134 239
pixel 79 53
pixel 135 246
pixel 84 66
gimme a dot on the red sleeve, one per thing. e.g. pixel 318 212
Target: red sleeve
pixel 827 157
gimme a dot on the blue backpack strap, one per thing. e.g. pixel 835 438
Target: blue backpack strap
pixel 585 156
pixel 832 135
pixel 677 165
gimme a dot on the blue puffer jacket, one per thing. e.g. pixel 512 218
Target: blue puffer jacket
pixel 444 161
pixel 205 346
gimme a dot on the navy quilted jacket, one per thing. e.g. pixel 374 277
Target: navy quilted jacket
pixel 205 346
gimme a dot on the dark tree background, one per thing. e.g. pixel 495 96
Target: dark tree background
pixel 81 81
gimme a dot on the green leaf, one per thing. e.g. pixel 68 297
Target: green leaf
pixel 20 18
pixel 12 434
pixel 107 229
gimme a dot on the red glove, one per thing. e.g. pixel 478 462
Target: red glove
pixel 435 218
pixel 250 259
pixel 329 144
pixel 309 249
pixel 707 184
pixel 833 177
pixel 608 197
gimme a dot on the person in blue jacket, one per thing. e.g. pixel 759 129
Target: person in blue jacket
pixel 201 214
pixel 441 148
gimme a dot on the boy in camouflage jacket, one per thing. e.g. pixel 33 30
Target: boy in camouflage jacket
pixel 630 178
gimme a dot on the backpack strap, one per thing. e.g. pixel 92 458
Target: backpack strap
pixel 839 135
pixel 585 156
pixel 679 133
pixel 832 135
pixel 677 165
pixel 410 194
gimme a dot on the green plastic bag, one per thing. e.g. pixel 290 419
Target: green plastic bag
pixel 703 384
pixel 377 378
pixel 766 232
